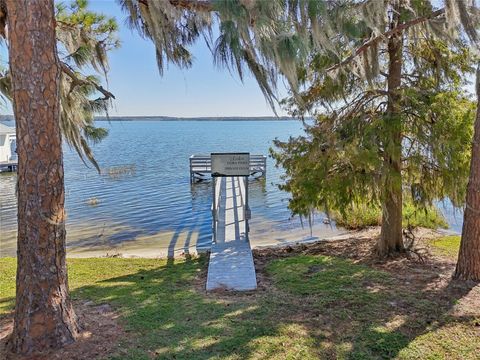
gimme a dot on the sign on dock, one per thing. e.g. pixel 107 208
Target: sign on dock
pixel 230 164
pixel 201 166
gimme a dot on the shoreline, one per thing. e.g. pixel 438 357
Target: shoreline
pixel 87 243
pixel 296 237
pixel 161 246
pixel 95 239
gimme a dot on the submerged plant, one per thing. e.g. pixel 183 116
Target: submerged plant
pixel 115 172
pixel 93 201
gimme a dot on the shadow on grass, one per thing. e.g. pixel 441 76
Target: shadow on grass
pixel 173 319
pixel 316 307
pixel 372 314
pixel 404 324
pixel 6 305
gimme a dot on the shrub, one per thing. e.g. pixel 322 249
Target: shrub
pixel 362 216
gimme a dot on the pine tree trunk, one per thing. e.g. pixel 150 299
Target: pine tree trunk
pixel 468 265
pixel 44 317
pixel 391 239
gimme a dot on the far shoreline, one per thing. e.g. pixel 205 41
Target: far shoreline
pixel 201 118
pixel 174 118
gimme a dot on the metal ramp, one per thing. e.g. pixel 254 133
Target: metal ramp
pixel 231 261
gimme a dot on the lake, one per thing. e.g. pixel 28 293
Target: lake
pixel 145 201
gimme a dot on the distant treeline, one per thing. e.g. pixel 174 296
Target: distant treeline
pixel 172 118
pixel 213 118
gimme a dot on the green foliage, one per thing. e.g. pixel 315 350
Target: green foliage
pixel 279 37
pixel 429 217
pixel 375 133
pixel 362 216
pixel 339 163
pixel 358 217
pixel 266 38
pixel 84 40
pixel 171 29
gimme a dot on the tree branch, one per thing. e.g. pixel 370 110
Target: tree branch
pixel 77 81
pixel 197 5
pixel 366 45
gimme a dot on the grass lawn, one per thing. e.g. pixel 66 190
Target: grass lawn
pixel 447 246
pixel 312 302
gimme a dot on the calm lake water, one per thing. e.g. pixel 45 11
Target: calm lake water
pixel 155 195
pixel 154 199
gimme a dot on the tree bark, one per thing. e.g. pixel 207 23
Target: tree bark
pixel 468 265
pixel 44 316
pixel 391 238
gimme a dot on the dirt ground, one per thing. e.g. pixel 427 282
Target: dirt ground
pixel 419 270
pixel 99 337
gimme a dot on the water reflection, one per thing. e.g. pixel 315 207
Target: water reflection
pixel 144 200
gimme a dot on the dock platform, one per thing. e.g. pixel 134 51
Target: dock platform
pixel 231 261
pixel 6 166
pixel 201 166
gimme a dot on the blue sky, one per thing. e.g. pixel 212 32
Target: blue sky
pixel 202 90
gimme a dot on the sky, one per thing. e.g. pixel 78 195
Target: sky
pixel 202 90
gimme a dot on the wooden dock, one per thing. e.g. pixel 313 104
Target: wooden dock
pixel 201 166
pixel 231 261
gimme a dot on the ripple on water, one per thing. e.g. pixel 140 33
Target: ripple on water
pixel 154 197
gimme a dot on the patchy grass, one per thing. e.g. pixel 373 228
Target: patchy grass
pixel 332 278
pixel 363 216
pixel 447 245
pixel 370 315
pixel 451 341
pixel 7 284
pixel 312 302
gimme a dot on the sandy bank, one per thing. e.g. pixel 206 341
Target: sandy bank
pixel 154 247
